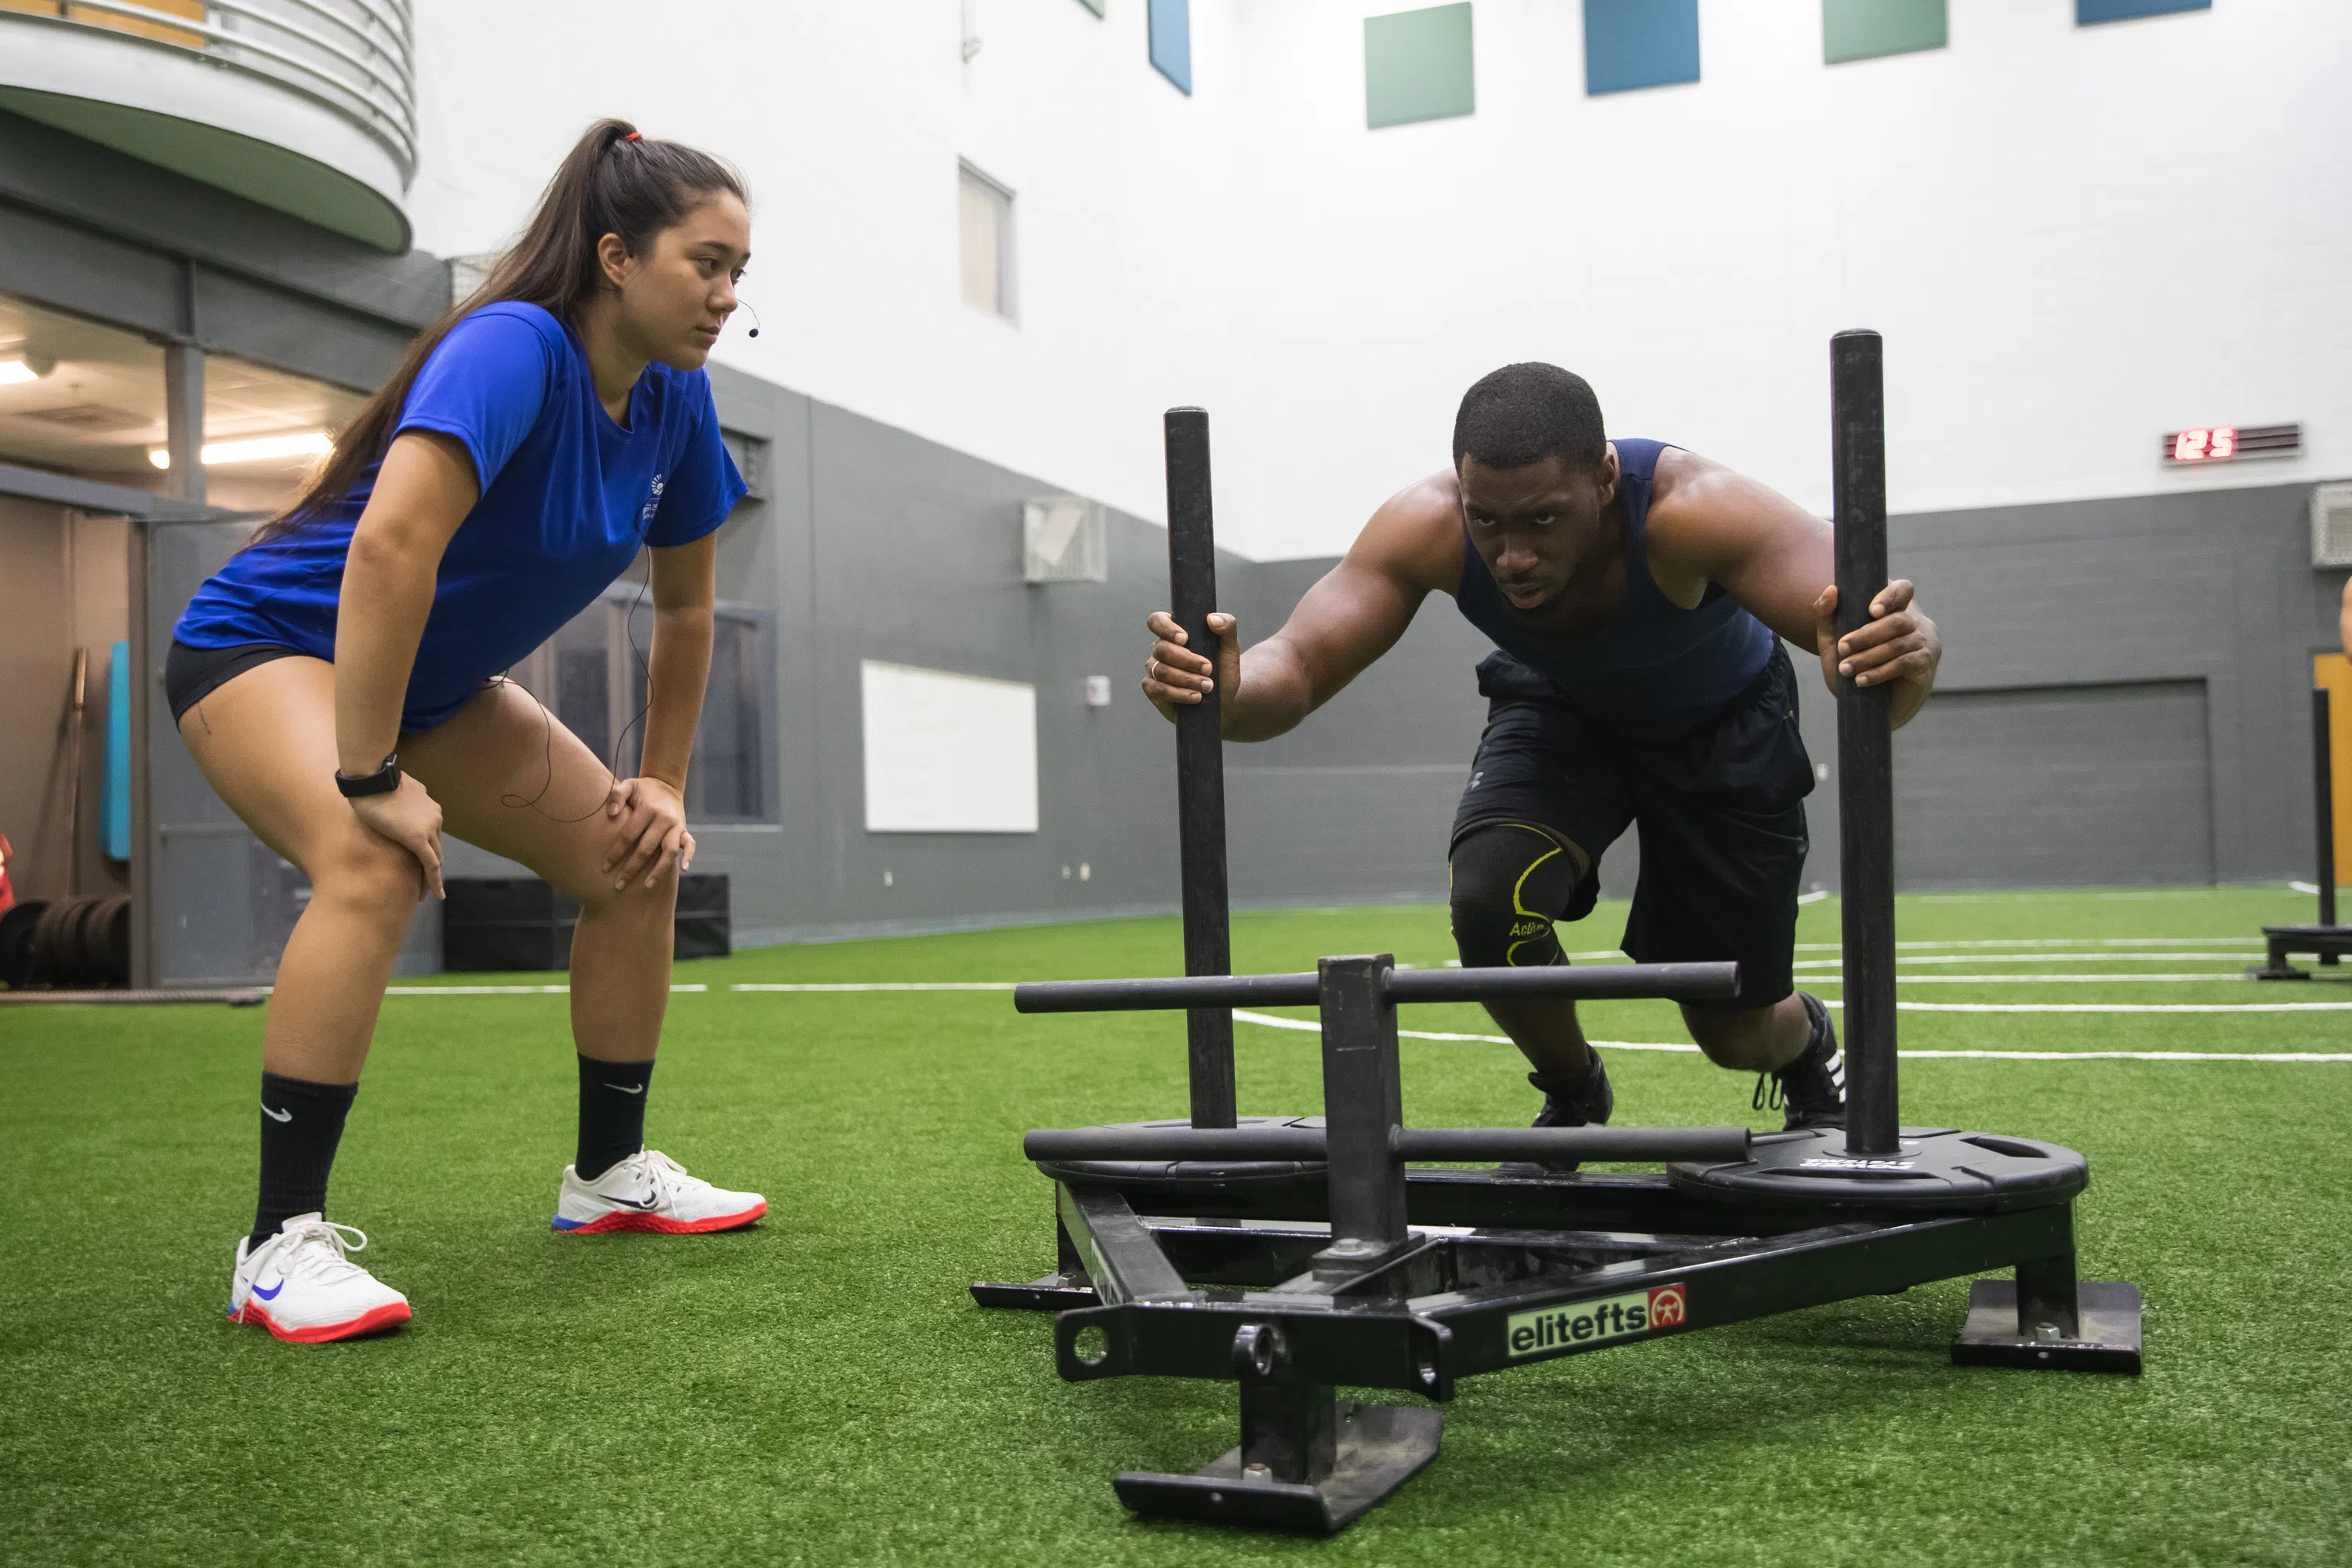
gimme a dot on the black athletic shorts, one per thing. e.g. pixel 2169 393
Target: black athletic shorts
pixel 192 674
pixel 1721 811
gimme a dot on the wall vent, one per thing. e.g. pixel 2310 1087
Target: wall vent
pixel 2331 525
pixel 1066 539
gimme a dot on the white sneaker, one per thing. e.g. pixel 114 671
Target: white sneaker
pixel 300 1287
pixel 650 1191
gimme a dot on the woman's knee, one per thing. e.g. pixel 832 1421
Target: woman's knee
pixel 596 896
pixel 366 877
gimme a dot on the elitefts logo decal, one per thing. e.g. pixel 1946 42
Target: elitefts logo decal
pixel 1596 1323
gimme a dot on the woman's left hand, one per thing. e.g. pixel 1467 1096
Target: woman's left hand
pixel 649 831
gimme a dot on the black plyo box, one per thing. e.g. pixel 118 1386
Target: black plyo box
pixel 523 923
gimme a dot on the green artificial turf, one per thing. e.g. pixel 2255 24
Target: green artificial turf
pixel 822 1390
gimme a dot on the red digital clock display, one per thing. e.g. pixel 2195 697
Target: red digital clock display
pixel 2232 443
pixel 2205 446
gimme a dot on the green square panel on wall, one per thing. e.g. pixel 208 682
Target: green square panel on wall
pixel 1094 5
pixel 1865 29
pixel 1417 66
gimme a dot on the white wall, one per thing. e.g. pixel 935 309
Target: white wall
pixel 2074 239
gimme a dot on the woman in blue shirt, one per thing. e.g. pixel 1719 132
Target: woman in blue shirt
pixel 339 683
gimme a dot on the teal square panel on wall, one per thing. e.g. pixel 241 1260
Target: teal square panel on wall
pixel 1631 44
pixel 1866 29
pixel 1417 66
pixel 1095 5
pixel 2089 11
pixel 1172 41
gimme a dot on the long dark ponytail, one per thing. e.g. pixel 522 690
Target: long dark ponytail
pixel 613 180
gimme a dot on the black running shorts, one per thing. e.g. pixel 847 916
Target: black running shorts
pixel 192 674
pixel 1721 811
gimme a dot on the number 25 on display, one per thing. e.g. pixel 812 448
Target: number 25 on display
pixel 2204 446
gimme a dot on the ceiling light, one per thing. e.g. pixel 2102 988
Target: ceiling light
pixel 307 443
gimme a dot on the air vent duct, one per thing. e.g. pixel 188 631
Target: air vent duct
pixel 2331 526
pixel 1065 539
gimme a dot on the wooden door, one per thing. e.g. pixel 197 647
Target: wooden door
pixel 2333 671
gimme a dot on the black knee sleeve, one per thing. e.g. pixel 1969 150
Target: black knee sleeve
pixel 1510 882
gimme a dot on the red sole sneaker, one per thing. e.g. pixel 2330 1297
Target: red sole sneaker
pixel 375 1320
pixel 630 1220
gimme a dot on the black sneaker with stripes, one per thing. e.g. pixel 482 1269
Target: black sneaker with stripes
pixel 1583 1100
pixel 1812 1088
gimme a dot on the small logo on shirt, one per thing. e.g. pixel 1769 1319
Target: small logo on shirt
pixel 653 501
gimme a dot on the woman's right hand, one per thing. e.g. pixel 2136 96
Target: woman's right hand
pixel 411 818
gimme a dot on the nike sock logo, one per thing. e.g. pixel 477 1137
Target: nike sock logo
pixel 627 1089
pixel 277 1115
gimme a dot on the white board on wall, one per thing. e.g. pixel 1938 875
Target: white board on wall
pixel 948 752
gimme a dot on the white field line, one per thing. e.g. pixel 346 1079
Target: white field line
pixel 1243 1015
pixel 2118 1007
pixel 492 990
pixel 2058 942
pixel 2040 958
pixel 2233 975
pixel 893 985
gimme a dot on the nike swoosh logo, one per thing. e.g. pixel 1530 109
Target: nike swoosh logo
pixel 270 1294
pixel 624 1089
pixel 277 1116
pixel 642 1205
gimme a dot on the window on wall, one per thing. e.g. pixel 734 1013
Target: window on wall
pixel 1868 29
pixel 2088 12
pixel 1417 66
pixel 265 433
pixel 78 398
pixel 1635 44
pixel 593 676
pixel 984 210
pixel 1170 25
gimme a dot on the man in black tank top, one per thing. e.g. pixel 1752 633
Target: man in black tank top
pixel 1640 597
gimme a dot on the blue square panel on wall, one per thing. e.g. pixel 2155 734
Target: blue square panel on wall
pixel 2089 11
pixel 1172 41
pixel 1631 44
pixel 1417 66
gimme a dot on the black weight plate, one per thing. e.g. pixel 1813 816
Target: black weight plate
pixel 1939 1168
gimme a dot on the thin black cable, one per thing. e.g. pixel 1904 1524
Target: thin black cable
pixel 547 719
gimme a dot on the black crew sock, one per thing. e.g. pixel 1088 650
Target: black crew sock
pixel 301 1122
pixel 612 1114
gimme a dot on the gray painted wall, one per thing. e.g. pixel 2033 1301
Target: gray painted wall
pixel 2122 696
pixel 2122 702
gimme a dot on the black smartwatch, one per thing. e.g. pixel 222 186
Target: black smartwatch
pixel 384 781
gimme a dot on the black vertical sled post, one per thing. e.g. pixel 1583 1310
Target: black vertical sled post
pixel 1199 765
pixel 2327 940
pixel 2323 785
pixel 1865 751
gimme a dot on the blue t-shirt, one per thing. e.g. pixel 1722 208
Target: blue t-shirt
pixel 567 498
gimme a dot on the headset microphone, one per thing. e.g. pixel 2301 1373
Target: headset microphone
pixel 755 318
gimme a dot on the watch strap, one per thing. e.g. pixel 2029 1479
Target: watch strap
pixel 384 781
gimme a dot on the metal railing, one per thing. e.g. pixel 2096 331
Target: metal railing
pixel 356 57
